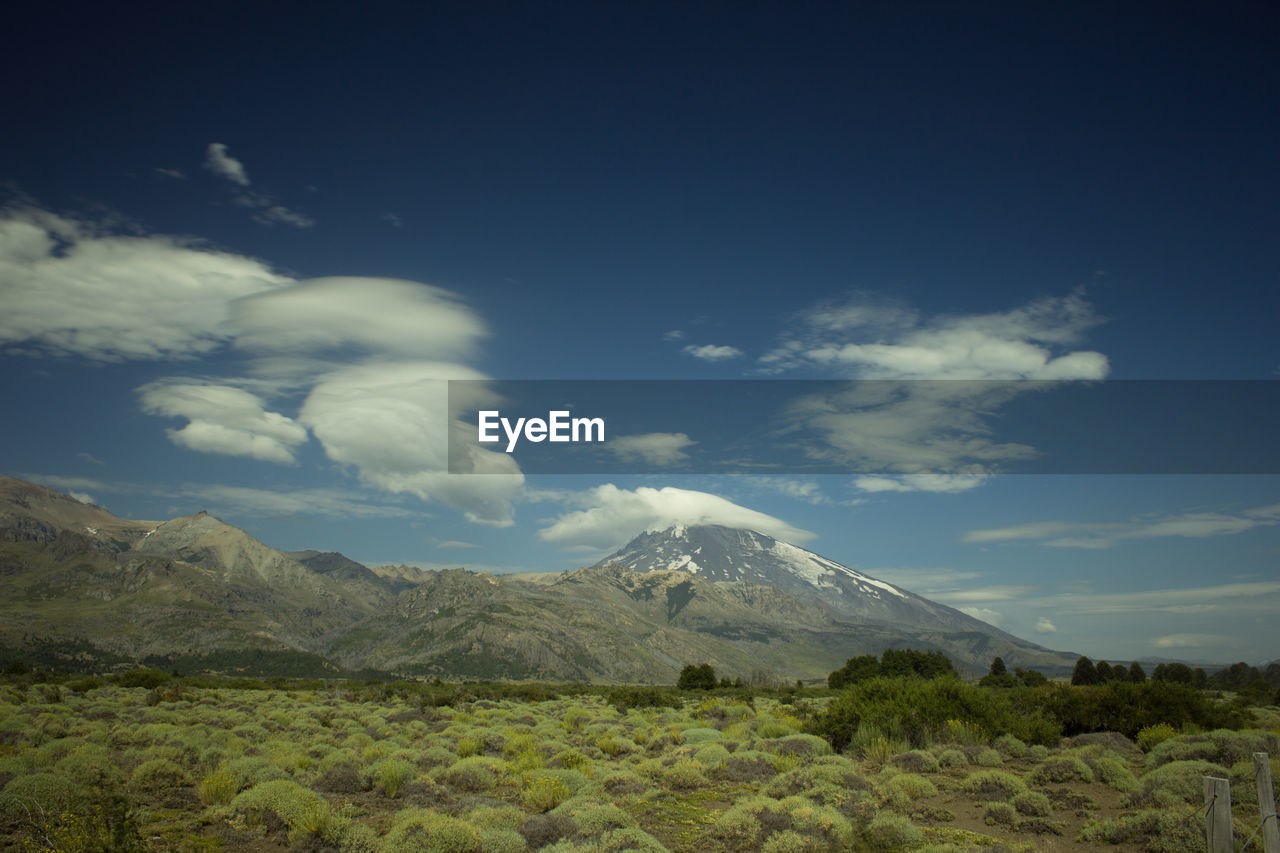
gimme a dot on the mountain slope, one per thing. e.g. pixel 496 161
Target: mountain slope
pixel 731 555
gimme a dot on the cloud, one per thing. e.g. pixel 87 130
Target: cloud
pixel 927 581
pixel 90 458
pixel 711 352
pixel 171 173
pixel 222 164
pixel 392 219
pixel 873 341
pixel 949 483
pixel 218 161
pixel 613 516
pixel 82 497
pixel 673 335
pixel 453 543
pixel 998 592
pixel 1045 626
pixel 1261 595
pixel 991 617
pixel 390 422
pixel 72 288
pixel 327 503
pixel 918 418
pixel 381 316
pixel 1099 535
pixel 223 419
pixel 269 212
pixel 808 491
pixel 1191 641
pixel 653 448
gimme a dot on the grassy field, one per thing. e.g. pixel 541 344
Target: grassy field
pixel 91 764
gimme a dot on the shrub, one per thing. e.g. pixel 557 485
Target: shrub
pixel 390 774
pixel 218 788
pixel 916 761
pixel 988 758
pixel 475 774
pixel 615 745
pixel 993 784
pixel 952 758
pixel 1010 746
pixel 158 774
pixel 1174 783
pixel 701 735
pixel 684 774
pixel 890 832
pixel 913 786
pixel 541 830
pixel 416 830
pixel 1032 804
pixel 543 790
pixel 1156 829
pixel 1000 814
pixel 1149 736
pixel 1115 775
pixel 1062 768
pixel 917 709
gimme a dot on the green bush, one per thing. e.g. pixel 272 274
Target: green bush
pixel 390 774
pixel 218 788
pixel 918 709
pixel 543 790
pixel 1175 783
pixel 993 784
pixel 1000 814
pixel 1158 830
pixel 416 830
pixel 1032 804
pixel 889 832
pixel 158 774
pixel 1062 768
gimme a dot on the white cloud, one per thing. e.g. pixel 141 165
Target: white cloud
pixel 998 592
pixel 176 174
pixel 1191 641
pixel 278 214
pixel 69 287
pixel 392 219
pixel 223 419
pixel 1261 595
pixel 83 497
pixel 218 161
pixel 1045 626
pixel 808 491
pixel 613 516
pixel 712 352
pixel 90 458
pixel 673 335
pixel 653 448
pixel 380 316
pixel 991 617
pixel 877 342
pixel 1099 535
pixel 903 425
pixel 390 421
pixel 327 503
pixel 925 581
pixel 949 483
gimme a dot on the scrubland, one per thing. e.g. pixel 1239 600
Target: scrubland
pixel 95 764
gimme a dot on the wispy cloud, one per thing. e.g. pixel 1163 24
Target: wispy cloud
pixel 176 174
pixel 1262 596
pixel 1099 535
pixel 673 335
pixel 985 614
pixel 453 543
pixel 90 458
pixel 712 352
pixel 223 419
pixel 920 483
pixel 1045 626
pixel 1191 641
pixel 653 448
pixel 218 161
pixel 611 516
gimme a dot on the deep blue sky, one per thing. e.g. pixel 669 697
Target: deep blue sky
pixel 661 191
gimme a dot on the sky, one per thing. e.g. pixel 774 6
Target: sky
pixel 242 248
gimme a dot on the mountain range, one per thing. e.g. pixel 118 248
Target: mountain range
pixel 195 588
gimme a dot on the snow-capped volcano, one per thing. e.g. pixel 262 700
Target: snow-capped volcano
pixel 727 554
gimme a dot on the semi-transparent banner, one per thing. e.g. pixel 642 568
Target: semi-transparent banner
pixel 867 427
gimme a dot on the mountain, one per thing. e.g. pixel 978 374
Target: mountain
pixel 191 585
pixel 196 589
pixel 732 555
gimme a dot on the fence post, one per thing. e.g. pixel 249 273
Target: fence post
pixel 1217 802
pixel 1266 802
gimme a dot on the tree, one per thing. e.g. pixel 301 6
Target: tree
pixel 1084 672
pixel 697 677
pixel 1030 677
pixel 855 669
pixel 998 676
pixel 1136 673
pixel 1103 669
